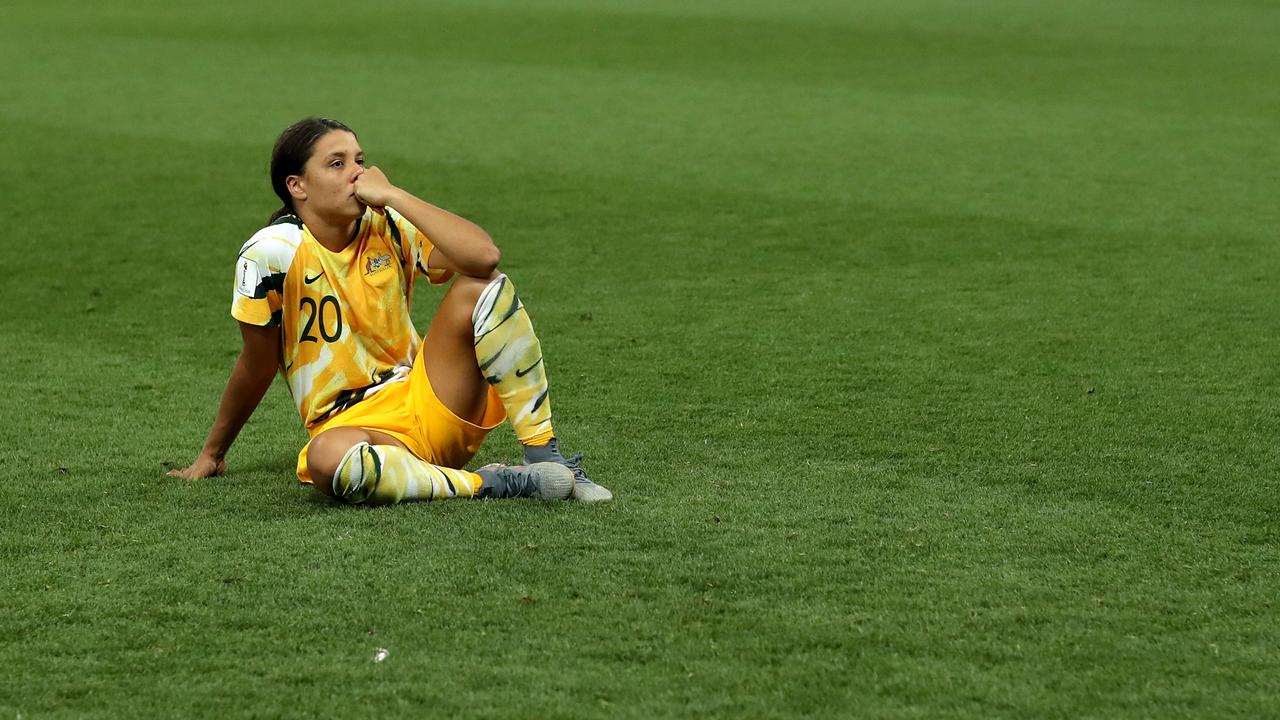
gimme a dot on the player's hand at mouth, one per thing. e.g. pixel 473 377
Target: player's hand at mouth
pixel 374 189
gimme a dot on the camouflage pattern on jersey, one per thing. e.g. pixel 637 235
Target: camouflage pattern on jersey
pixel 343 317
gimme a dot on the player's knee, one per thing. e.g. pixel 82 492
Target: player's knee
pixel 325 456
pixel 495 302
pixel 356 476
pixel 469 290
pixel 319 465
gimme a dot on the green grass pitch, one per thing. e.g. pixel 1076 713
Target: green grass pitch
pixel 930 347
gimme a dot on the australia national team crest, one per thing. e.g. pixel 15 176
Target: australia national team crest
pixel 376 263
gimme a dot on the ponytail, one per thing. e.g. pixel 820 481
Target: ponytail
pixel 284 211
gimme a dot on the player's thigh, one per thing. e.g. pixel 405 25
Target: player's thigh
pixel 449 355
pixel 326 450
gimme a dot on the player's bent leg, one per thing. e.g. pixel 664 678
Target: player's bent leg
pixel 387 474
pixel 482 336
pixel 376 469
pixel 510 355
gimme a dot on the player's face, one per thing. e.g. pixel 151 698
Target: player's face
pixel 329 177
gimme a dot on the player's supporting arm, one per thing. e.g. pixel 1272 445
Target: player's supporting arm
pixel 460 245
pixel 255 368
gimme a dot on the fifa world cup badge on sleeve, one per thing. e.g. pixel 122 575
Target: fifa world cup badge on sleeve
pixel 247 277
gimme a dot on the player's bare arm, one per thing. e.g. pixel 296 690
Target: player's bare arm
pixel 250 378
pixel 460 245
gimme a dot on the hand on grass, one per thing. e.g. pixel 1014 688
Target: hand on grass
pixel 374 189
pixel 203 467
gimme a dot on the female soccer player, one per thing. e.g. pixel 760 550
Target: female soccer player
pixel 322 295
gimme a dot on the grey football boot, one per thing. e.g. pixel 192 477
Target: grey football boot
pixel 584 490
pixel 542 480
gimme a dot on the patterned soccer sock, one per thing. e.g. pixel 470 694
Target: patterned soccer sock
pixel 388 474
pixel 511 359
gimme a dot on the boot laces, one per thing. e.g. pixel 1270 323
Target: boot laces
pixel 575 464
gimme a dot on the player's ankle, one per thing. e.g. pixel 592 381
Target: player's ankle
pixel 547 452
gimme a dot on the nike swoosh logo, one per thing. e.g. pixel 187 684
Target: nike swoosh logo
pixel 309 280
pixel 526 371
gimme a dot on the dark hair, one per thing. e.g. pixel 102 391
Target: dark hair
pixel 292 151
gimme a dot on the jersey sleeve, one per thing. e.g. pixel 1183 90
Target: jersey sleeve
pixel 258 296
pixel 415 247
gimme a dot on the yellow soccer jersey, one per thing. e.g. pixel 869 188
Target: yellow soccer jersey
pixel 343 317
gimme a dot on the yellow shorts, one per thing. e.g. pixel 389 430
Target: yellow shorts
pixel 410 412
